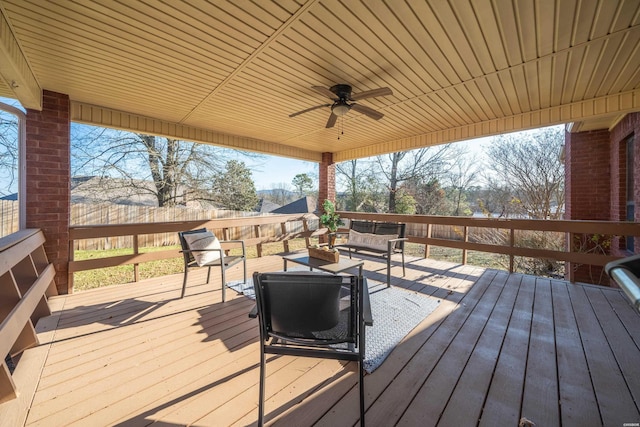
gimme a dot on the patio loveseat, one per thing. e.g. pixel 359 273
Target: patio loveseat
pixel 374 238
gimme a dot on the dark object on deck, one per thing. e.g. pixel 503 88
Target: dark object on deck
pixel 300 314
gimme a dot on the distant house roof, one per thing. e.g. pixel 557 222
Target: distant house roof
pixel 265 206
pixel 304 205
pixel 11 197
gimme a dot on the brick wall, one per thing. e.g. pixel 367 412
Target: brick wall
pixel 327 179
pixel 48 170
pixel 587 172
pixel 587 190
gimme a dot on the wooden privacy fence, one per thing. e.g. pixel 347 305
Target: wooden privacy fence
pixel 111 214
pixel 108 214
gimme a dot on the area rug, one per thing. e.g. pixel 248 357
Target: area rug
pixel 395 312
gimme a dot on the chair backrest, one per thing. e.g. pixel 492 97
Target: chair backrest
pixel 375 227
pixel 306 307
pixel 188 256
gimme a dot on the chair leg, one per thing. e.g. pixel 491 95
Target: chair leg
pixel 208 274
pixel 224 283
pixel 184 282
pixel 244 264
pixel 261 389
pixel 403 270
pixel 388 271
pixel 361 387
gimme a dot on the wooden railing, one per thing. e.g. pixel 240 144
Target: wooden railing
pixel 420 227
pixel 249 229
pixel 26 280
pixel 420 230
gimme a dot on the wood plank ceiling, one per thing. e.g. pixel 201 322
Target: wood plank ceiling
pixel 230 72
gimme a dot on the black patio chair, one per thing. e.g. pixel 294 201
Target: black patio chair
pixel 198 243
pixel 312 315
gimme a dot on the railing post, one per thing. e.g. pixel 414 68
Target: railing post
pixel 136 266
pixel 305 228
pixel 285 241
pixel 427 247
pixel 465 236
pixel 71 258
pixel 258 233
pixel 569 272
pixel 512 239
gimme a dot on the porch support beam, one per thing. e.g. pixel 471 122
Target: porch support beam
pixel 327 179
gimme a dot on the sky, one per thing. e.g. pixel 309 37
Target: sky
pixel 272 171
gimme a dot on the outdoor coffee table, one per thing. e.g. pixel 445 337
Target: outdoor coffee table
pixel 341 266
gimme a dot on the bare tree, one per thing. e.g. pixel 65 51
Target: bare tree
pixel 179 170
pixel 360 185
pixel 8 152
pixel 460 177
pixel 423 164
pixel 528 165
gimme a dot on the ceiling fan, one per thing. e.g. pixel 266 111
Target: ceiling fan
pixel 343 101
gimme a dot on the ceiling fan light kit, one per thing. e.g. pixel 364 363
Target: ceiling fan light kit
pixel 340 109
pixel 341 96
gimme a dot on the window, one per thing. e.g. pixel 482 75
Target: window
pixel 12 167
pixel 630 181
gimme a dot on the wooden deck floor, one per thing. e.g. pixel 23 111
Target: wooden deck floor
pixel 498 348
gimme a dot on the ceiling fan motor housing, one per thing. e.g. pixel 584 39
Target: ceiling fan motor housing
pixel 342 91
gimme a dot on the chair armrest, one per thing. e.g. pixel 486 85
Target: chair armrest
pixel 254 312
pixel 234 243
pixel 366 304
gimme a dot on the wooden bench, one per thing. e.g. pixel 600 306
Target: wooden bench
pixel 378 239
pixel 26 282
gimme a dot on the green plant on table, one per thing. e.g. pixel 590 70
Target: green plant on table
pixel 330 218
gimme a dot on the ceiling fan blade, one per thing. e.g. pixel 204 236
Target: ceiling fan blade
pixel 332 121
pixel 324 91
pixel 382 91
pixel 309 109
pixel 367 111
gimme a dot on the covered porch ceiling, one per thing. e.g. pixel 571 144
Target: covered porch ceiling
pixel 230 73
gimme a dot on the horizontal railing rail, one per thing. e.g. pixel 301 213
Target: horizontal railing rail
pixel 420 228
pixel 249 229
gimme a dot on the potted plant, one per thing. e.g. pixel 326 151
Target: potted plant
pixel 331 220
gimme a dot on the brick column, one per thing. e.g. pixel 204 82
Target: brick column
pixel 48 171
pixel 327 178
pixel 587 188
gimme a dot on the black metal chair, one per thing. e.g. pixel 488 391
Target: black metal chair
pixel 312 315
pixel 191 252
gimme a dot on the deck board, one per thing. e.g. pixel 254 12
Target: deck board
pixel 497 348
